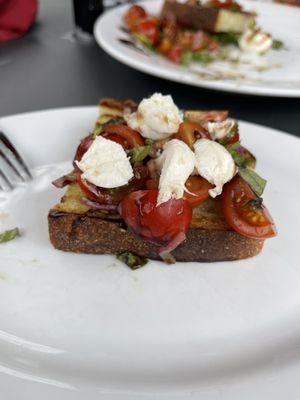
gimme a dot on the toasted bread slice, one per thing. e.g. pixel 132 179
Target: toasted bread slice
pixel 73 227
pixel 211 19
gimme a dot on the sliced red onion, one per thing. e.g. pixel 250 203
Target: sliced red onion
pixel 165 252
pixel 65 180
pixel 97 206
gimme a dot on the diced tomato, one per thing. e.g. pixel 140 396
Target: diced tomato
pixel 124 135
pixel 213 45
pixel 211 116
pixel 148 27
pixel 233 139
pixel 164 45
pixel 157 223
pixel 185 39
pixel 228 4
pixel 189 132
pixel 199 188
pixel 133 15
pixel 175 54
pixel 244 212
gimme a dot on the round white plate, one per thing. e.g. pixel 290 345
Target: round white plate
pixel 75 326
pixel 283 79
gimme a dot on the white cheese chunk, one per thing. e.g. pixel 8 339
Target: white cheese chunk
pixel 105 164
pixel 218 130
pixel 255 41
pixel 156 117
pixel 177 162
pixel 214 163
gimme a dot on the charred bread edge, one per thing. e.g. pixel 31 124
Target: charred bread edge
pixel 81 233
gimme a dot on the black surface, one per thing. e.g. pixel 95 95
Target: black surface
pixel 46 69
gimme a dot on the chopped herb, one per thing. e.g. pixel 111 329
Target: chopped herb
pixel 149 142
pixel 241 156
pixel 132 260
pixel 97 130
pixel 143 39
pixel 256 183
pixel 277 44
pixel 9 235
pixel 203 57
pixel 227 37
pixel 186 57
pixel 138 153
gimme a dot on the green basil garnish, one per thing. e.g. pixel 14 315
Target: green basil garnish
pixel 256 182
pixel 277 44
pixel 9 235
pixel 203 57
pixel 186 58
pixel 132 260
pixel 241 156
pixel 138 153
pixel 143 39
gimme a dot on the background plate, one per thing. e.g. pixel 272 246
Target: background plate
pixel 283 80
pixel 79 326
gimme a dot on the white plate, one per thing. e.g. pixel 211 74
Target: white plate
pixel 76 326
pixel 282 80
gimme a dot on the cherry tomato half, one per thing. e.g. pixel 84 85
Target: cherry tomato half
pixel 109 196
pixel 199 187
pixel 148 27
pixel 189 132
pixel 133 15
pixel 127 137
pixel 82 148
pixel 159 224
pixel 175 53
pixel 244 212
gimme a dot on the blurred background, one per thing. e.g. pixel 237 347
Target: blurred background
pixel 49 66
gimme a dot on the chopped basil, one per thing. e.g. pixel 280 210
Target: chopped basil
pixel 241 156
pixel 203 57
pixel 97 130
pixel 228 37
pixel 9 235
pixel 132 260
pixel 277 44
pixel 149 142
pixel 186 57
pixel 138 153
pixel 256 182
pixel 143 39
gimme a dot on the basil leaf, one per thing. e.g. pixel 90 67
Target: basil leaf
pixel 97 130
pixel 241 156
pixel 9 235
pixel 138 153
pixel 203 57
pixel 256 182
pixel 143 39
pixel 277 44
pixel 132 260
pixel 227 37
pixel 186 58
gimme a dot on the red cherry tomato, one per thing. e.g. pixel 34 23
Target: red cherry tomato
pixel 175 53
pixel 159 224
pixel 244 212
pixel 82 148
pixel 199 187
pixel 133 15
pixel 189 132
pixel 109 196
pixel 124 135
pixel 148 27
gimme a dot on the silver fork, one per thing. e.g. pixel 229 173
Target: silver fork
pixel 13 168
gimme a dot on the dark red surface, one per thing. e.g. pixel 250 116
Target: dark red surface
pixel 16 17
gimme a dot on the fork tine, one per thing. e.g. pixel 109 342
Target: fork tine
pixel 6 180
pixel 12 148
pixel 7 160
